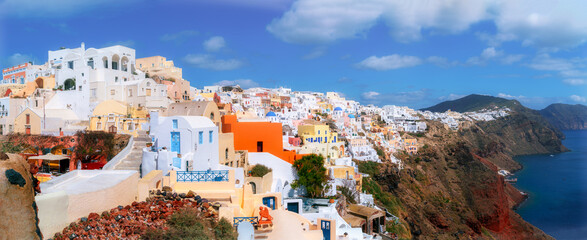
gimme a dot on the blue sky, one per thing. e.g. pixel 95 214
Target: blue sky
pixel 415 53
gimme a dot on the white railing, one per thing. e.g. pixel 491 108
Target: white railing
pixel 121 155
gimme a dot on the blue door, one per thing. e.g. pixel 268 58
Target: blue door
pixel 325 226
pixel 175 142
pixel 269 202
pixel 293 207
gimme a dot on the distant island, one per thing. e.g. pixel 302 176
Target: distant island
pixel 561 116
pixel 566 116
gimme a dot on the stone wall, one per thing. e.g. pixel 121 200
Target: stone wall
pixel 17 207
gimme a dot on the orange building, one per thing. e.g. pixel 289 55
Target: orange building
pixel 258 137
pixel 16 74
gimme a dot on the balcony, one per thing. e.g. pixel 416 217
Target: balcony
pixel 237 220
pixel 202 176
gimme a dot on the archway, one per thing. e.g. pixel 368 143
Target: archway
pixel 124 64
pixel 105 61
pixel 115 61
pixel 69 84
pixel 39 82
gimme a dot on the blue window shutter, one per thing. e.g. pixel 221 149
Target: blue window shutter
pixel 201 137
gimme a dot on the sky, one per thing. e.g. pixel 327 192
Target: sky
pixel 413 53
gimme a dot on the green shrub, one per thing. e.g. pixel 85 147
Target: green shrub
pixel 259 170
pixel 188 224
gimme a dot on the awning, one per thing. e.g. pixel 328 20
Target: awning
pixel 50 157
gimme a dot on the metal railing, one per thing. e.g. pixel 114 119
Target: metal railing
pixel 237 220
pixel 203 176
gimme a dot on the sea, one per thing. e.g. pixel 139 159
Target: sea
pixel 557 189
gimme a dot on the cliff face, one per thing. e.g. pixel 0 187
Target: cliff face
pixel 565 116
pixel 450 189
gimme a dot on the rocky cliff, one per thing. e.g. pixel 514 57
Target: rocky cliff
pixel 450 189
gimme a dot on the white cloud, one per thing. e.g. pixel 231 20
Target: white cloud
pixel 320 21
pixel 490 52
pixel 395 98
pixel 503 95
pixel 315 53
pixel 575 81
pixel 577 98
pixel 567 68
pixel 486 55
pixel 214 44
pixel 178 37
pixel 441 61
pixel 18 58
pixel 394 61
pixel 510 59
pixel 54 8
pixel 206 61
pixel 451 96
pixel 243 83
pixel 370 95
pixel 545 24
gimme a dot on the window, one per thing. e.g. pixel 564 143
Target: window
pixel 92 92
pixel 152 64
pixel 318 131
pixel 210 136
pixel 174 123
pixel 141 65
pixel 70 64
pixel 130 127
pixel 130 92
pixel 115 79
pixel 201 137
pixel 226 154
pixel 112 92
pixel 28 119
pixel 99 125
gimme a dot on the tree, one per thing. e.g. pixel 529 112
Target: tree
pixel 259 170
pixel 311 175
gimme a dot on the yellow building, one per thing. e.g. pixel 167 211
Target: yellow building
pixel 28 122
pixel 319 133
pixel 159 66
pixel 411 145
pixel 347 173
pixel 117 117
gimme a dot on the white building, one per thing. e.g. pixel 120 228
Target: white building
pixel 183 143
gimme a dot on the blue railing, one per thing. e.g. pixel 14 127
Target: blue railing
pixel 203 176
pixel 237 220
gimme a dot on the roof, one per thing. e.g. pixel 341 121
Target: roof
pixel 193 108
pixel 193 121
pixel 337 109
pixel 270 114
pixel 65 114
pixel 50 156
pixel 351 116
pixel 364 211
pixel 354 221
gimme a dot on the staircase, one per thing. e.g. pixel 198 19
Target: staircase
pixel 133 160
pixel 263 233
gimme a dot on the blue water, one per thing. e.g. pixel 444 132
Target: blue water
pixel 557 188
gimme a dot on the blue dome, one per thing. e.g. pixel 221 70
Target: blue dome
pixel 337 109
pixel 351 116
pixel 270 114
